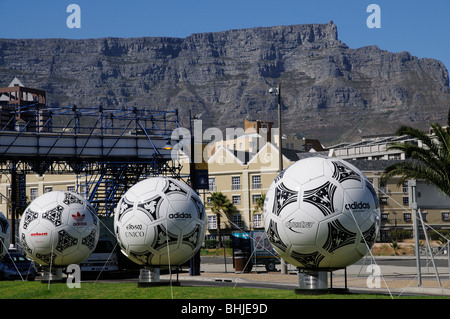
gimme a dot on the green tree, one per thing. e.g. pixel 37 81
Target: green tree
pixel 429 161
pixel 396 247
pixel 220 205
pixel 259 203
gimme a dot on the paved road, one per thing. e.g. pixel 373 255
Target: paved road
pixel 398 272
pixel 407 263
pixel 411 261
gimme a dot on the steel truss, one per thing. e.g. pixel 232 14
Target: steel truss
pixel 108 149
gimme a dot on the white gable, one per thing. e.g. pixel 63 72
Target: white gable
pixel 15 82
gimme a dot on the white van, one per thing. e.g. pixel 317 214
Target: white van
pixel 103 258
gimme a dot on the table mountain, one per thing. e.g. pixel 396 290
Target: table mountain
pixel 329 91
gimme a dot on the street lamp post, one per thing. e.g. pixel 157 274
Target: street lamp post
pixel 280 153
pixel 194 262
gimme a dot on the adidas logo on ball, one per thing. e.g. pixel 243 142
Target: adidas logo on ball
pixel 180 215
pixel 78 217
pixel 357 205
pixel 79 220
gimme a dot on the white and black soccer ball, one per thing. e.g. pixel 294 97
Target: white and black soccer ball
pixel 59 228
pixel 321 213
pixel 5 234
pixel 160 222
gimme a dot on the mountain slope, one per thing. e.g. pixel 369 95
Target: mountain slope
pixel 329 91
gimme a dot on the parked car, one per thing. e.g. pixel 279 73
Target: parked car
pixel 102 259
pixel 15 266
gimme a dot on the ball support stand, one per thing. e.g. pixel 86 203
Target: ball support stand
pixel 52 275
pixel 315 282
pixel 150 277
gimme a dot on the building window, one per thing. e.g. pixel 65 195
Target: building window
pixel 405 187
pixel 257 221
pixel 383 201
pixel 212 222
pixel 237 221
pixel 236 199
pixel 424 216
pixel 256 181
pixel 406 201
pixel 445 216
pixel 71 189
pixel 231 147
pixel 212 183
pixel 255 197
pixel 48 189
pixel 235 182
pixel 34 193
pixel 394 157
pixel 384 216
pixel 407 217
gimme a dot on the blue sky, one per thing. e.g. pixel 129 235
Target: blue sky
pixel 417 26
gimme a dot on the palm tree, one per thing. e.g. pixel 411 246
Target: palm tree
pixel 259 203
pixel 430 162
pixel 220 204
pixel 396 247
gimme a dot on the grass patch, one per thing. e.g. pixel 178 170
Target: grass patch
pixel 213 252
pixel 88 290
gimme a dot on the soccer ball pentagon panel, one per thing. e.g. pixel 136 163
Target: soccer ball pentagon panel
pixel 5 233
pixel 160 222
pixel 59 228
pixel 321 213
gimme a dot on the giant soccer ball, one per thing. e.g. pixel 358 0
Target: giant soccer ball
pixel 321 213
pixel 59 228
pixel 160 222
pixel 5 233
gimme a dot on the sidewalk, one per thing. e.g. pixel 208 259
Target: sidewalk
pixel 393 280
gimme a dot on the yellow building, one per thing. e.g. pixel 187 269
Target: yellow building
pixel 396 214
pixel 35 186
pixel 243 178
pixel 256 134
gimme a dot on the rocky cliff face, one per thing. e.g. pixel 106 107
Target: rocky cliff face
pixel 329 91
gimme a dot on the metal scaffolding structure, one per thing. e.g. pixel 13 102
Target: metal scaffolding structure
pixel 108 149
